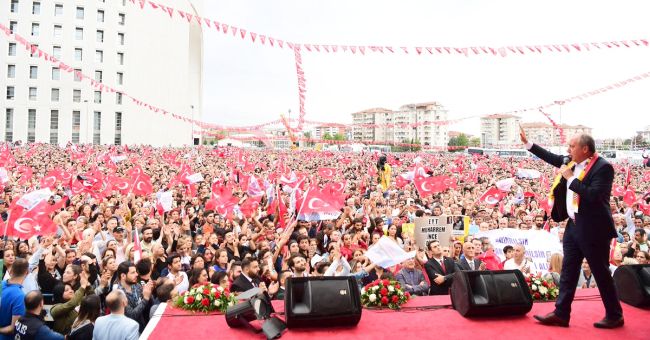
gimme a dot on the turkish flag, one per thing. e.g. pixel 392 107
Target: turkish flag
pixel 427 186
pixel 630 197
pixel 319 202
pixel 483 169
pixel 618 190
pixel 121 184
pixel 25 223
pixel 26 174
pixel 492 196
pixel 249 207
pixel 546 205
pixel 49 181
pixel 327 173
pixel 142 185
pixel 644 207
pixel 400 181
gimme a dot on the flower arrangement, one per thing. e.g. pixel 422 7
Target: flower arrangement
pixel 384 293
pixel 206 297
pixel 542 288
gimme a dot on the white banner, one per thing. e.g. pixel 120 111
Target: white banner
pixel 539 244
pixel 387 253
pixel 31 199
pixel 195 178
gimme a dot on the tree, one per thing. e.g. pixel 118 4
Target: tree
pixel 475 142
pixel 460 140
pixel 407 145
pixel 307 136
pixel 338 136
pixel 327 136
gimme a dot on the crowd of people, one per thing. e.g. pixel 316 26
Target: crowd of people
pixel 115 255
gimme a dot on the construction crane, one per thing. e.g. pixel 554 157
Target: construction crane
pixel 292 137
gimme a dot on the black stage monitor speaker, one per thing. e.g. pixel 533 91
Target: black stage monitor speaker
pixel 322 302
pixel 633 284
pixel 490 293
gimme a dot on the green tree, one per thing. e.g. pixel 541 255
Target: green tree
pixel 475 142
pixel 338 136
pixel 327 136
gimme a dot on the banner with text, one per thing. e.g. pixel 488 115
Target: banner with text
pixel 539 244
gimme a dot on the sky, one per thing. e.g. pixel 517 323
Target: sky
pixel 247 83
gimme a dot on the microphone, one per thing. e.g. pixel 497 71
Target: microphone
pixel 566 160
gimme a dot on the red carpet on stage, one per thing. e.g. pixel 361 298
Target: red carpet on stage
pixel 422 323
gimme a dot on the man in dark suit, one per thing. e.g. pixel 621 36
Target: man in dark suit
pixel 249 278
pixel 440 270
pixel 468 262
pixel 582 196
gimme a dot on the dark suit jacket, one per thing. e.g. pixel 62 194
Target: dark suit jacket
pixel 594 218
pixel 241 284
pixel 464 265
pixel 432 268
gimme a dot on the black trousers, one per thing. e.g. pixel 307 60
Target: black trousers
pixel 597 255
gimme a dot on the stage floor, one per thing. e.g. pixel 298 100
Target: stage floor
pixel 418 321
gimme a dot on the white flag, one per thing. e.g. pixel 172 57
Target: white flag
pixel 528 173
pixel 31 199
pixel 387 253
pixel 505 184
pixel 117 159
pixel 197 177
pixel 4 176
pixel 165 200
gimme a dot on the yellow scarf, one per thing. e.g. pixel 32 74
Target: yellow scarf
pixel 576 199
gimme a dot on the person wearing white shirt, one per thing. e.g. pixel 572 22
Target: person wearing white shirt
pixel 519 260
pixel 179 277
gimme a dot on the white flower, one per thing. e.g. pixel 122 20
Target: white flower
pixel 372 297
pixel 391 289
pixel 375 288
pixel 231 303
pixel 534 287
pixel 213 290
pixel 217 303
pixel 199 297
pixel 220 289
pixel 543 290
pixel 185 300
pixel 363 290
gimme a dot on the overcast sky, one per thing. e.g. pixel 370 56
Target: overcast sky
pixel 249 83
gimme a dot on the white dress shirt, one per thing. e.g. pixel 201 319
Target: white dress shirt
pixel 570 209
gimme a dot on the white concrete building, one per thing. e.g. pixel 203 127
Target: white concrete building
pixel 546 134
pixel 500 131
pixel 422 115
pixel 140 52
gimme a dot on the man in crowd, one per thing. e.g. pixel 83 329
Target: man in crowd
pixel 411 279
pixel 519 260
pixel 440 270
pixel 176 274
pixel 469 262
pixel 116 326
pixel 248 279
pixel 137 296
pixel 31 326
pixel 12 304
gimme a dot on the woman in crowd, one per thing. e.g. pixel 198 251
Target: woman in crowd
pixel 555 268
pixel 198 275
pixel 66 300
pixel 83 326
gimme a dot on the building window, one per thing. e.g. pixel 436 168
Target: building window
pixel 80 13
pixel 118 98
pixel 14 6
pixel 10 92
pixel 76 124
pixel 12 49
pixel 120 58
pixel 11 71
pixel 58 10
pixel 100 36
pixel 36 8
pixel 56 73
pixel 120 78
pixel 56 52
pixel 13 26
pixel 98 76
pixel 35 53
pixel 9 125
pixel 79 33
pixel 118 128
pixel 55 95
pixel 35 29
pixel 76 96
pixel 97 127
pixel 78 54
pixel 98 97
pixel 31 125
pixel 100 16
pixel 58 31
pixel 122 18
pixel 33 93
pixel 77 73
pixel 99 56
pixel 54 127
pixel 120 38
pixel 33 72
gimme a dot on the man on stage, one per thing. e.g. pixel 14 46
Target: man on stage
pixel 581 194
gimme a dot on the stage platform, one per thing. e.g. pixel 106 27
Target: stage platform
pixel 425 317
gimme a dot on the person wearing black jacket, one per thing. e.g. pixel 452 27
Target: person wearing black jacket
pixel 31 325
pixel 440 270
